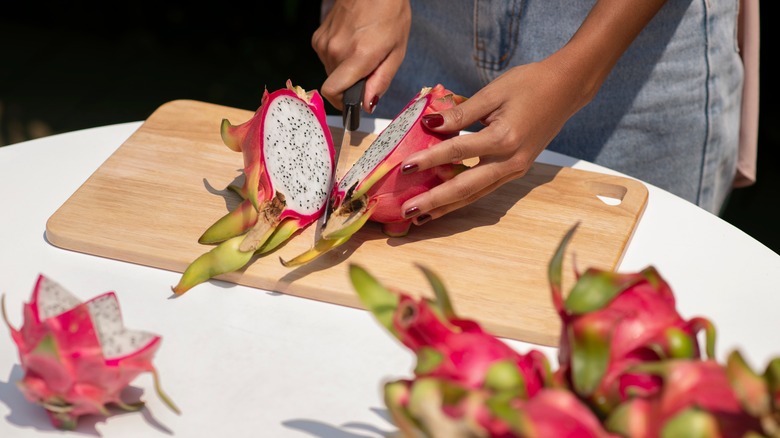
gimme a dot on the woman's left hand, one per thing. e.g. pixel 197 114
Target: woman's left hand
pixel 522 110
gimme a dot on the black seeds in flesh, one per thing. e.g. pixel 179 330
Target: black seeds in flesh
pixel 383 145
pixel 296 154
pixel 115 340
pixel 53 299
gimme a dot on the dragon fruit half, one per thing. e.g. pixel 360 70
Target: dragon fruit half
pixel 78 356
pixel 613 321
pixel 288 163
pixel 458 364
pixel 373 188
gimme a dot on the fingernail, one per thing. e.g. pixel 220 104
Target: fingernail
pixel 409 168
pixel 423 218
pixel 433 120
pixel 372 104
pixel 412 212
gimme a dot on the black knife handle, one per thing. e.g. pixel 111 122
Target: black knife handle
pixel 353 100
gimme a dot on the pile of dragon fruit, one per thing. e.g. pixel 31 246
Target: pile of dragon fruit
pixel 629 366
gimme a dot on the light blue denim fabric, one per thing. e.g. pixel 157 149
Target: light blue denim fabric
pixel 668 114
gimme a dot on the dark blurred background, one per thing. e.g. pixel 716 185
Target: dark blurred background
pixel 72 65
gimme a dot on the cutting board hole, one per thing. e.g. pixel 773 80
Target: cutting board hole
pixel 609 201
pixel 609 194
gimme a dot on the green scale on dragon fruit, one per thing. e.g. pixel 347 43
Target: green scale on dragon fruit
pixel 466 381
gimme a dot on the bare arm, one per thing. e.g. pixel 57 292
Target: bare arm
pixel 525 108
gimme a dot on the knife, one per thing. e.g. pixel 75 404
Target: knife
pixel 352 101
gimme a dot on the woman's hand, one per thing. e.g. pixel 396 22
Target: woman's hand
pixel 362 38
pixel 522 110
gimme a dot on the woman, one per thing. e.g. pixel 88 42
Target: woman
pixel 653 89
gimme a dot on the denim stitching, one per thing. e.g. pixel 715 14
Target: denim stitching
pixel 708 99
pixel 480 59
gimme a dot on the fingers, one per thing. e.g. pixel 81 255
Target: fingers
pixel 490 141
pixel 464 189
pixel 359 39
pixel 522 110
pixel 465 114
pixel 379 80
pixel 501 159
pixel 344 76
pixel 378 77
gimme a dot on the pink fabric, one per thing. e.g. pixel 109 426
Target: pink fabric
pixel 748 39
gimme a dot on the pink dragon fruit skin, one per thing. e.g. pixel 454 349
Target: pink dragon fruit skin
pixel 457 349
pixel 297 108
pixel 373 173
pixel 553 412
pixel 288 162
pixel 374 189
pixel 433 407
pixel 78 357
pixel 697 398
pixel 611 322
pixel 459 365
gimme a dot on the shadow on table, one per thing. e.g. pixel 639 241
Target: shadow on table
pixel 31 416
pixel 346 430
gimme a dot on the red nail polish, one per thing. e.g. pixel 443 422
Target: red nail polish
pixel 372 104
pixel 409 168
pixel 412 212
pixel 423 218
pixel 433 120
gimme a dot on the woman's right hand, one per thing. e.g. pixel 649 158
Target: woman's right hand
pixel 362 38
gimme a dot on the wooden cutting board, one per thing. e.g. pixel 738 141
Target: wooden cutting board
pixel 151 200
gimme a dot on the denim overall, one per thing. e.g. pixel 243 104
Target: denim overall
pixel 668 114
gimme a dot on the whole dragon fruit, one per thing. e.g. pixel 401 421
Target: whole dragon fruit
pixel 78 356
pixel 552 412
pixel 373 188
pixel 613 321
pixel 288 163
pixel 434 407
pixel 699 398
pixel 458 364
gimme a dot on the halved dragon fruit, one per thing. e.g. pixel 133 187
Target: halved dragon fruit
pixel 78 357
pixel 288 163
pixel 373 188
pixel 612 322
pixel 459 365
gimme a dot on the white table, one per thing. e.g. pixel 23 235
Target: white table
pixel 255 363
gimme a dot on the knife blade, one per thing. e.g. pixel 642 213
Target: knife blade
pixel 352 101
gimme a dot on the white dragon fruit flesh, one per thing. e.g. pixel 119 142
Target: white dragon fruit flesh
pixel 374 189
pixel 288 163
pixel 77 356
